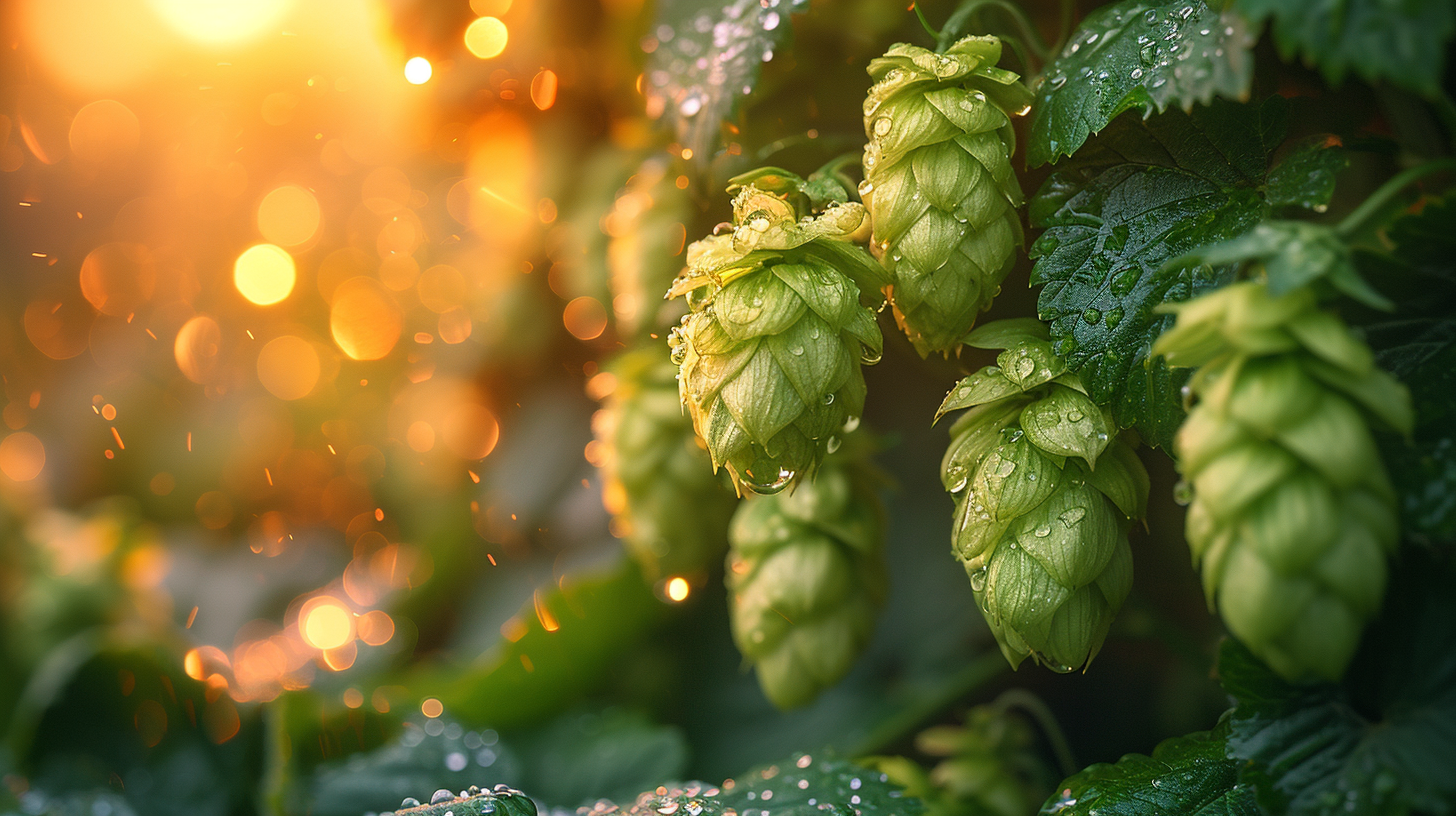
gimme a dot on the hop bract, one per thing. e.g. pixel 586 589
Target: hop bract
pixel 1045 493
pixel 770 355
pixel 1292 513
pixel 806 573
pixel 939 184
pixel 658 483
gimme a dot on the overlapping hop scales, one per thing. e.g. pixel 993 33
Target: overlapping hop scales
pixel 806 576
pixel 939 185
pixel 658 482
pixel 1292 513
pixel 770 354
pixel 1045 493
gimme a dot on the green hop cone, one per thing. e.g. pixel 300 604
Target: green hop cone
pixel 658 483
pixel 939 185
pixel 1292 513
pixel 1045 493
pixel 770 354
pixel 806 576
pixel 990 766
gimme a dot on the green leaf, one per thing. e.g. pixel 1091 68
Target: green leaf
pixel 570 636
pixel 1306 176
pixel 1293 254
pixel 584 756
pixel 1382 742
pixel 705 57
pixel 1186 775
pixel 1137 54
pixel 802 786
pixel 1114 219
pixel 1402 42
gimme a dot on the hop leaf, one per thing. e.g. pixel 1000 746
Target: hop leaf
pixel 1045 492
pixel 770 355
pixel 806 574
pixel 1292 513
pixel 939 184
pixel 658 483
pixel 502 800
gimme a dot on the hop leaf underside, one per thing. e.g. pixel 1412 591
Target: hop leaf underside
pixel 806 575
pixel 1292 514
pixel 1045 492
pixel 939 184
pixel 669 506
pixel 770 355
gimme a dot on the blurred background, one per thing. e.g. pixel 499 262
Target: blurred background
pixel 307 308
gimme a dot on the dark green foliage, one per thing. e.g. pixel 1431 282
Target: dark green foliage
pixel 1138 55
pixel 1384 741
pixel 1186 775
pixel 1133 201
pixel 1306 176
pixel 1401 42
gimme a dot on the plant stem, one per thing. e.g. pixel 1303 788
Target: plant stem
pixel 1046 720
pixel 908 720
pixel 924 23
pixel 1382 197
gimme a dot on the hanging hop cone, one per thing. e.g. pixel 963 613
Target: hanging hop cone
pixel 991 766
pixel 770 354
pixel 1045 492
pixel 658 483
pixel 1292 513
pixel 646 229
pixel 806 575
pixel 939 185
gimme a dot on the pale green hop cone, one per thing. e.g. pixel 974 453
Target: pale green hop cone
pixel 1292 514
pixel 1045 492
pixel 666 502
pixel 770 355
pixel 806 576
pixel 939 185
pixel 646 233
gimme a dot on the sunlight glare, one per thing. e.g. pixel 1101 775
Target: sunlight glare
pixel 418 71
pixel 264 274
pixel 219 22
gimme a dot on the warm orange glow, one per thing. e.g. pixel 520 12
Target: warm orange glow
pixel 364 319
pixel 375 627
pixel 353 698
pixel 288 216
pixel 543 90
pixel 104 131
pixel 418 71
pixel 220 720
pixel 264 274
pixel 342 657
pixel 118 278
pixel 204 661
pixel 288 367
pixel 94 46
pixel 442 288
pixel 196 348
pixel 678 589
pixel 432 708
pixel 216 22
pixel 326 623
pixel 548 620
pixel 420 436
pixel 486 37
pixel 490 8
pixel 214 510
pixel 471 431
pixel 22 456
pixel 585 318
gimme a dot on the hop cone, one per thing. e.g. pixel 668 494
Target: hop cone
pixel 806 574
pixel 770 354
pixel 991 766
pixel 659 485
pixel 1292 513
pixel 1045 492
pixel 939 185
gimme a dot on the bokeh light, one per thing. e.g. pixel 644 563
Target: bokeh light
pixel 364 319
pixel 264 274
pixel 104 131
pixel 486 37
pixel 585 317
pixel 22 456
pixel 118 278
pixel 288 367
pixel 288 216
pixel 220 21
pixel 326 623
pixel 417 71
pixel 678 589
pixel 197 348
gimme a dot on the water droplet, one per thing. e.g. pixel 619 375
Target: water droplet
pixel 1041 531
pixel 1058 80
pixel 850 425
pixel 832 444
pixel 1091 315
pixel 1183 492
pixel 828 398
pixel 770 21
pixel 978 579
pixel 1072 515
pixel 691 105
pixel 409 802
pixel 441 795
pixel 865 188
pixel 870 356
pixel 882 125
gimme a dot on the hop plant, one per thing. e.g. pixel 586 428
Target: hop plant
pixel 806 576
pixel 939 185
pixel 1292 513
pixel 990 766
pixel 770 354
pixel 1045 492
pixel 659 485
